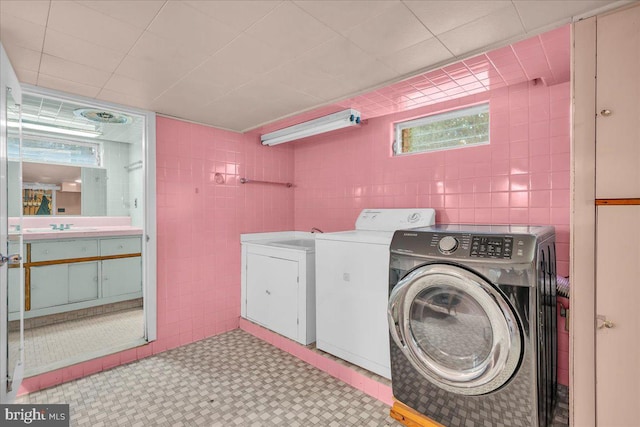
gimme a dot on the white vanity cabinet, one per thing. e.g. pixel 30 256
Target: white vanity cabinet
pixel 121 276
pixel 70 274
pixel 278 285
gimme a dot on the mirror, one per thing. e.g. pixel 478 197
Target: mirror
pixel 76 160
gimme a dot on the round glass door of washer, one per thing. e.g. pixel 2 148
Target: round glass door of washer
pixel 455 328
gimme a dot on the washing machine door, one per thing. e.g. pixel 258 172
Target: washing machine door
pixel 456 329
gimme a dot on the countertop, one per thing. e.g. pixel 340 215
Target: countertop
pixel 31 234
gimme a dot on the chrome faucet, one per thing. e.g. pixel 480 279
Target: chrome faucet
pixel 316 230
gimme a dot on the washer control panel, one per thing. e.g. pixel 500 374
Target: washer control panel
pixel 445 244
pixel 491 247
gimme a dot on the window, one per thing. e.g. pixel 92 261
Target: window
pixel 58 152
pixel 454 129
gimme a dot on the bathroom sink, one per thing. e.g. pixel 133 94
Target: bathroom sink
pixel 50 230
pixel 304 244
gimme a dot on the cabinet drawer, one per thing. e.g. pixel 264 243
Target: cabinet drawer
pixel 63 249
pixel 126 245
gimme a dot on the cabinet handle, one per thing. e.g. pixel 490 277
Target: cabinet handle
pixel 120 246
pixel 105 278
pixel 268 293
pixel 605 113
pixel 605 323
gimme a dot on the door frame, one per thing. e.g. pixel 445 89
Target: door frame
pixel 8 79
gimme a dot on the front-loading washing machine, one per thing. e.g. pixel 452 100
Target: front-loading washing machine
pixel 472 319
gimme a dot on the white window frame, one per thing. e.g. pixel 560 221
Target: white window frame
pixel 467 110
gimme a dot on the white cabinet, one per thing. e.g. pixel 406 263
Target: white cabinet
pixel 121 276
pixel 278 284
pixel 617 107
pixel 71 274
pixel 617 296
pixel 272 293
pixel 83 281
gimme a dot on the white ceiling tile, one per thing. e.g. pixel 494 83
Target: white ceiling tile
pixel 338 57
pixel 488 31
pixel 191 29
pixel 250 54
pixel 92 26
pixel 191 93
pixel 444 15
pixel 71 71
pixel 540 14
pixel 123 98
pixel 418 57
pixel 27 76
pixel 23 33
pixel 23 58
pixel 289 29
pixel 136 13
pixel 239 14
pixel 342 15
pixel 165 51
pixel 63 85
pixel 146 89
pixel 396 29
pixel 35 11
pixel 219 73
pixel 304 77
pixel 80 51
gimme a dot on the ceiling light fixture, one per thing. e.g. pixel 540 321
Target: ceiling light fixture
pixel 339 120
pixel 53 129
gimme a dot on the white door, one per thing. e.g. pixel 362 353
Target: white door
pixel 618 326
pixel 475 354
pixel 12 342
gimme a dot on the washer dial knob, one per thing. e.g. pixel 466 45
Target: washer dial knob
pixel 448 244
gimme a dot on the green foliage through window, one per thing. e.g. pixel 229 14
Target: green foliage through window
pixel 454 129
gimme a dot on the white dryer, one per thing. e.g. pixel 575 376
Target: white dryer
pixel 352 286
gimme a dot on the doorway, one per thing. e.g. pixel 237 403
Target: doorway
pixel 80 204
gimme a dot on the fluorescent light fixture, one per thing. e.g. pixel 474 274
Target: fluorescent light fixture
pixel 53 129
pixel 339 120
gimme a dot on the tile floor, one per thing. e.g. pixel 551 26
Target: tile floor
pixel 46 347
pixel 233 379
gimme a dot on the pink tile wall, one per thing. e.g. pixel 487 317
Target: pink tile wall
pixel 522 177
pixel 199 227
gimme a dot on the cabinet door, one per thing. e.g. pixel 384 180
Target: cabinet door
pixel 272 293
pixel 121 276
pixel 617 296
pixel 83 281
pixel 49 286
pixel 618 86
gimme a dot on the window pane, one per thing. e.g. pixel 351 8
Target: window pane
pixel 453 129
pixel 59 152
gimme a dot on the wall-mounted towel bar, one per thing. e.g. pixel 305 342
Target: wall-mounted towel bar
pixel 255 181
pixel 134 165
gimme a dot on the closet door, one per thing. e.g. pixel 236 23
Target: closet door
pixel 618 108
pixel 618 322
